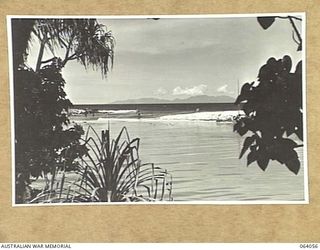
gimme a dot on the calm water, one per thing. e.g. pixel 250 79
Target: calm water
pixel 203 160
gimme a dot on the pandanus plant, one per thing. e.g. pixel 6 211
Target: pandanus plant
pixel 111 171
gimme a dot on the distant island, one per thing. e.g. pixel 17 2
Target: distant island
pixel 192 99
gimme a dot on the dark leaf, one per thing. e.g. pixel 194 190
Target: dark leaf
pixel 263 162
pixel 299 68
pixel 272 61
pixel 248 141
pixel 236 126
pixel 293 165
pixel 288 143
pixel 299 47
pixel 242 130
pixel 252 156
pixel 247 108
pixel 266 22
pixel 245 89
pixel 239 100
pixel 273 107
pixel 287 63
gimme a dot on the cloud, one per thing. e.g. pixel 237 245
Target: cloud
pixel 223 89
pixel 161 91
pixel 192 91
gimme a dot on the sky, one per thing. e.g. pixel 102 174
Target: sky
pixel 179 57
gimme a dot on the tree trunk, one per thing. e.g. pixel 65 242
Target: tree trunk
pixel 40 55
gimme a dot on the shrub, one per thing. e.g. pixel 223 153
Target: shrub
pixel 110 171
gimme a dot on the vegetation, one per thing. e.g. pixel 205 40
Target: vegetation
pixel 109 171
pixel 274 110
pixel 266 21
pixel 41 126
pixel 42 129
pixel 46 145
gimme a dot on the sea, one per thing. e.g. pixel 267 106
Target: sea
pixel 202 155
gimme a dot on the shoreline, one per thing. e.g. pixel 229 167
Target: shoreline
pixel 228 115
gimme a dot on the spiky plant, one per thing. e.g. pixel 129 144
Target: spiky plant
pixel 111 171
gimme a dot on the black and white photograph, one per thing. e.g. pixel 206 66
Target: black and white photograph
pixel 167 109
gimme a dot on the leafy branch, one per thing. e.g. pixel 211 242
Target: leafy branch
pixel 273 108
pixel 81 39
pixel 267 21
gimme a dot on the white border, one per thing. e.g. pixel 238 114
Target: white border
pixel 12 127
pixel 304 99
pixel 257 202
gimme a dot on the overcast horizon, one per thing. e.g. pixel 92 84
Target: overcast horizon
pixel 179 58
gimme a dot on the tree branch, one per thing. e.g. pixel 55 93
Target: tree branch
pixel 40 55
pixel 294 39
pixel 63 42
pixel 286 17
pixel 294 17
pixel 73 57
pixel 66 58
pixel 70 58
pixel 297 32
pixel 291 18
pixel 46 61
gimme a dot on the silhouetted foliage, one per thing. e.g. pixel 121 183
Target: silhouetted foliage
pixel 21 35
pixel 273 108
pixel 111 171
pixel 266 21
pixel 44 138
pixel 84 40
pixel 42 131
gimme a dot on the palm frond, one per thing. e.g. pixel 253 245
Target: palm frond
pixel 84 40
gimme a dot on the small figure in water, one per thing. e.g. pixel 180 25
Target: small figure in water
pixel 138 113
pixel 197 109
